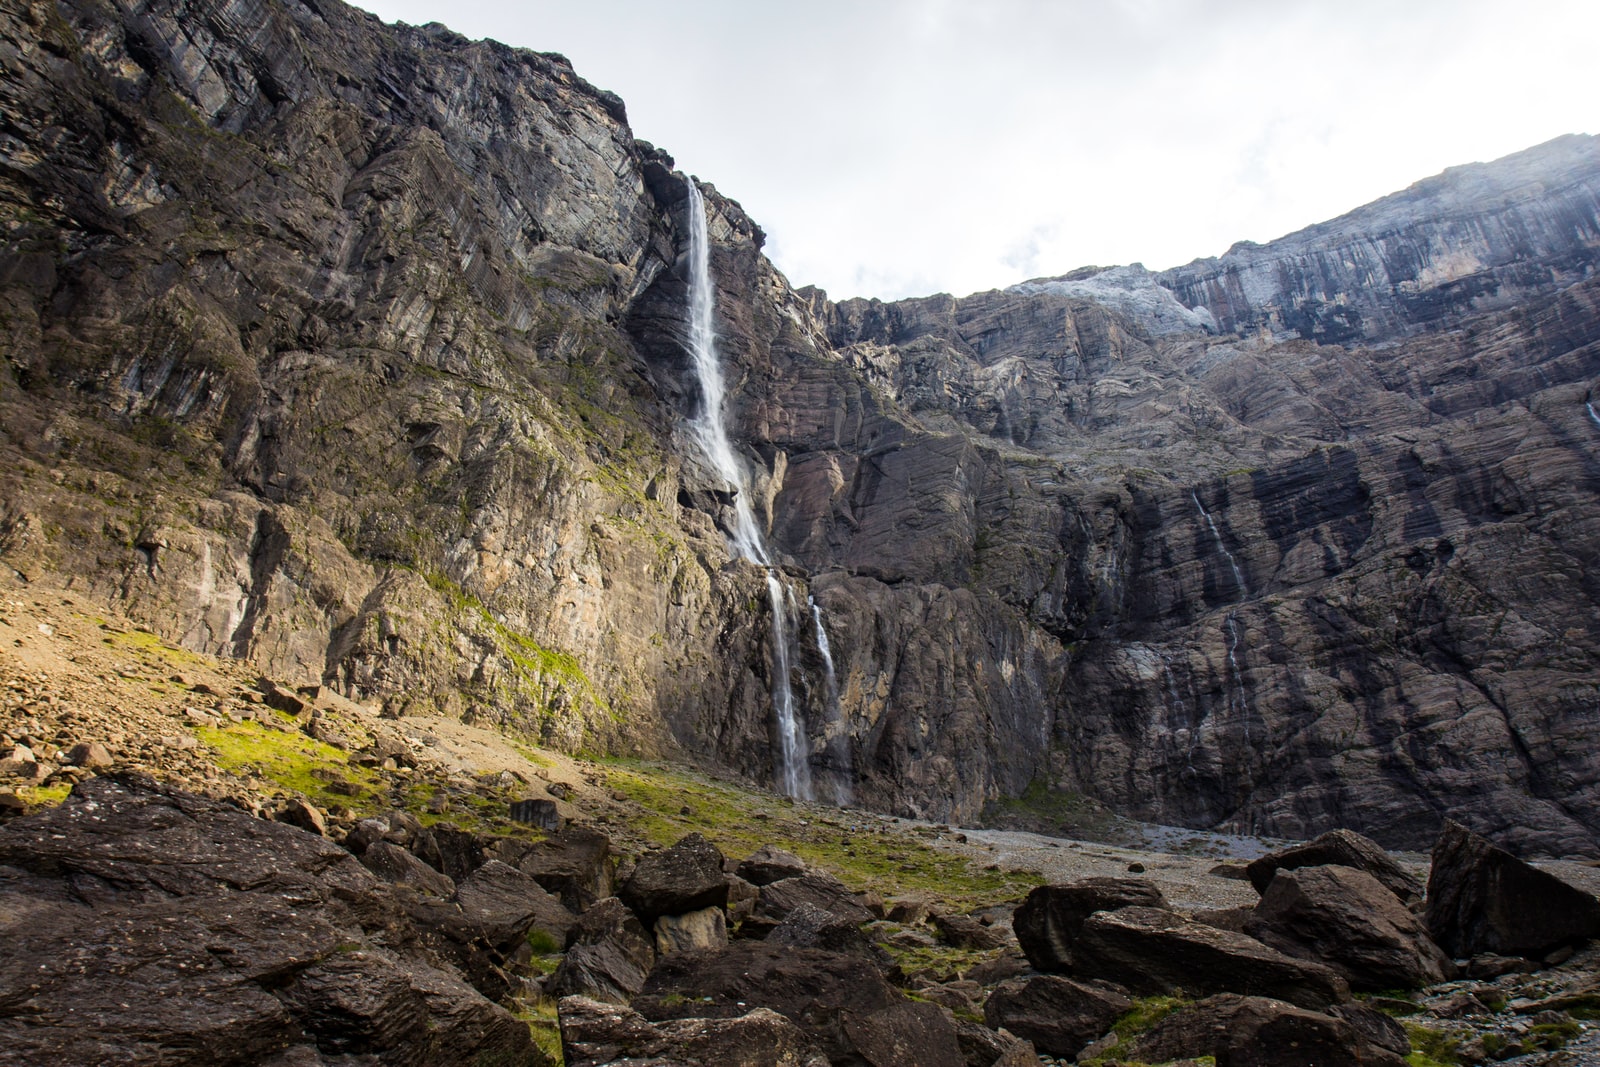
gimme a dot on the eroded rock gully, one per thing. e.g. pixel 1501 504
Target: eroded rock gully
pixel 356 351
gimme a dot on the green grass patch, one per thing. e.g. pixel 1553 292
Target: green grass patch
pixel 1145 1013
pixel 1058 813
pixel 852 847
pixel 44 796
pixel 1553 1035
pixel 297 763
pixel 1432 1048
pixel 544 1027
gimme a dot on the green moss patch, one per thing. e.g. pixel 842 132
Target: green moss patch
pixel 296 763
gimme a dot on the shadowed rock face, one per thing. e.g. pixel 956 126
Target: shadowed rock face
pixel 357 351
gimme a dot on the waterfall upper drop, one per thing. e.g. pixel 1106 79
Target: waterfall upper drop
pixel 710 432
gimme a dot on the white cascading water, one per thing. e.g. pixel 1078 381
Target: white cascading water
pixel 1589 405
pixel 1216 535
pixel 838 743
pixel 711 437
pixel 1232 625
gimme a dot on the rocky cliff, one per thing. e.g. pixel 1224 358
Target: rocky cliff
pixel 358 352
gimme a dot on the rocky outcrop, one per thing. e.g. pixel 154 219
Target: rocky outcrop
pixel 1475 237
pixel 246 941
pixel 357 351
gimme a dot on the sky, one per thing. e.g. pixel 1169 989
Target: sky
pixel 894 148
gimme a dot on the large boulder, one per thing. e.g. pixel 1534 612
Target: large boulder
pixel 811 987
pixel 695 931
pixel 1345 848
pixel 1347 919
pixel 1482 899
pixel 575 864
pixel 145 925
pixel 684 878
pixel 397 866
pixel 1244 1031
pixel 610 957
pixel 768 864
pixel 1048 921
pixel 1060 1016
pixel 595 1033
pixel 902 1035
pixel 1150 950
pixel 818 889
pixel 500 906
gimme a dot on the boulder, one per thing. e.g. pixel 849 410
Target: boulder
pixel 143 924
pixel 304 814
pixel 1251 1031
pixel 456 853
pixel 575 864
pixel 595 1033
pixel 91 756
pixel 538 812
pixel 500 905
pixel 984 1047
pixel 398 867
pixel 692 932
pixel 1346 918
pixel 1059 1015
pixel 1150 951
pixel 1345 848
pixel 904 1034
pixel 686 877
pixel 768 864
pixel 1048 921
pixel 810 987
pixel 963 931
pixel 819 889
pixel 1482 899
pixel 610 957
pixel 808 926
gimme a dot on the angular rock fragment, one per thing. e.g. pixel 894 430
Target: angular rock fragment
pixel 1345 848
pixel 1253 1031
pixel 398 867
pixel 610 957
pixel 902 1034
pixel 1154 951
pixel 1346 919
pixel 576 865
pixel 594 1033
pixel 694 931
pixel 1048 921
pixel 769 864
pixel 1482 899
pixel 1059 1015
pixel 686 877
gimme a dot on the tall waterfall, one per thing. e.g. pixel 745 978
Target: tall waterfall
pixel 710 432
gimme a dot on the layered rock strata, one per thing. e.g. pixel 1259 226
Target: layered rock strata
pixel 357 351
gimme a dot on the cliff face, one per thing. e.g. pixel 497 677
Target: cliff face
pixel 357 351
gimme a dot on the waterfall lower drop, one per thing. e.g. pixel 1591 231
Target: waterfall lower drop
pixel 711 437
pixel 1234 641
pixel 1216 535
pixel 1589 406
pixel 838 743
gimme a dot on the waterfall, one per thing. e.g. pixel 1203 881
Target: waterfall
pixel 710 433
pixel 1234 641
pixel 838 741
pixel 1589 406
pixel 1216 535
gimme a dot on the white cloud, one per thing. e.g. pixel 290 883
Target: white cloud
pixel 895 147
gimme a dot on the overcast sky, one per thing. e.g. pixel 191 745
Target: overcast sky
pixel 903 147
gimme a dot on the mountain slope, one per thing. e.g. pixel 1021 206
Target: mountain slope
pixel 358 352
